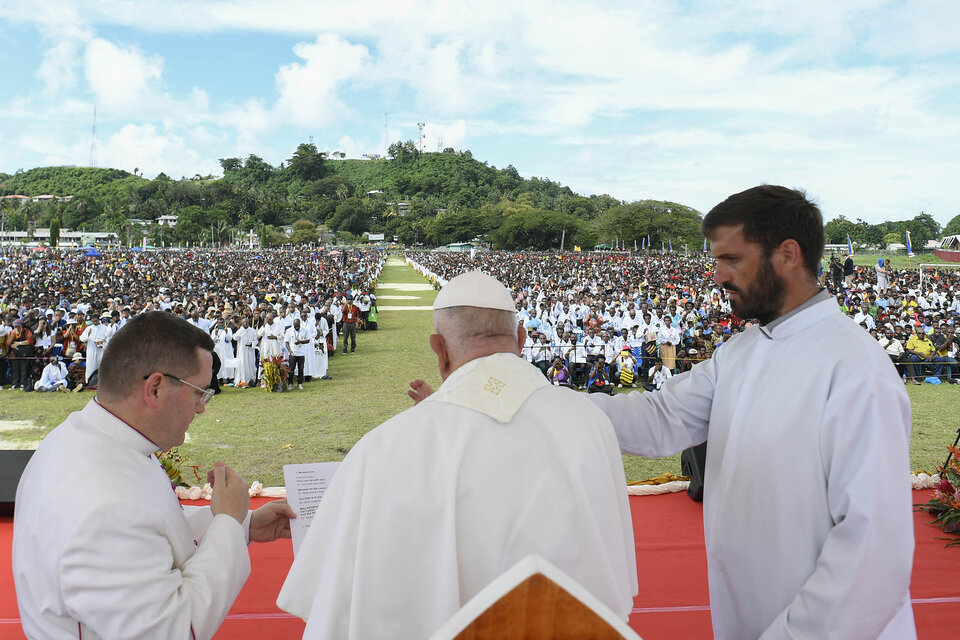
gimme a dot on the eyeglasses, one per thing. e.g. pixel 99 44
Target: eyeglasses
pixel 205 394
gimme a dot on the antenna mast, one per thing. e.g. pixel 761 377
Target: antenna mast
pixel 93 139
pixel 386 134
pixel 421 125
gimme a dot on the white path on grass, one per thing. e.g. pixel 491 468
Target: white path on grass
pixel 401 286
pixel 405 286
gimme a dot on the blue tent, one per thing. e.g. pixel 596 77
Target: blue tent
pixel 93 253
pixel 87 247
pixel 136 249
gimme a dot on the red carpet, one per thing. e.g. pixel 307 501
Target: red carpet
pixel 672 602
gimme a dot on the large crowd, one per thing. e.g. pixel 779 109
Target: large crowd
pixel 595 320
pixel 601 320
pixel 287 309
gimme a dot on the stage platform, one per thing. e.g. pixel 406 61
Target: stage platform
pixel 673 601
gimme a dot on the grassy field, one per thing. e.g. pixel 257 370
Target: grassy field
pixel 900 260
pixel 259 432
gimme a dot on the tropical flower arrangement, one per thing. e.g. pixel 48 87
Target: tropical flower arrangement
pixel 945 504
pixel 172 462
pixel 275 373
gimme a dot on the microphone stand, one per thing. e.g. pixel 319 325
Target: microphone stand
pixel 950 455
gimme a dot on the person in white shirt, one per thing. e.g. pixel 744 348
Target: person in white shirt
pixel 101 546
pixel 863 315
pixel 807 510
pixel 668 337
pixel 894 349
pixel 297 341
pixel 53 377
pixel 417 520
pixel 657 376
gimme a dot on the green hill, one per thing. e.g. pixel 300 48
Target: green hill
pixel 66 181
pixel 434 198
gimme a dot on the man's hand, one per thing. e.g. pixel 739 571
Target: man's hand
pixel 419 390
pixel 271 521
pixel 230 493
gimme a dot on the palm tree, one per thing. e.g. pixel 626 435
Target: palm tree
pixel 221 228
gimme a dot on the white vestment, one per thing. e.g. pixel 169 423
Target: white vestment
pixel 95 337
pixel 310 356
pixel 432 505
pixel 270 346
pixel 320 360
pixel 807 505
pixel 246 339
pixel 103 549
pixel 222 339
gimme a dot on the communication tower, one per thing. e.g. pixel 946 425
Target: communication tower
pixel 93 140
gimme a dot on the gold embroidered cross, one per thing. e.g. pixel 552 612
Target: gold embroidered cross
pixel 494 386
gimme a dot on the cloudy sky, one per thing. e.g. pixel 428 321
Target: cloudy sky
pixel 857 101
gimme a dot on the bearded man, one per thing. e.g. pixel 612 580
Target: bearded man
pixel 806 508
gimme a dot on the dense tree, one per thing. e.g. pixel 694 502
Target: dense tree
pixel 350 215
pixel 231 164
pixel 304 232
pixel 536 229
pixel 453 226
pixel 665 223
pixel 927 222
pixel 836 230
pixel 306 162
pixel 891 238
pixel 953 227
pixel 256 170
pixel 54 232
pixel 403 152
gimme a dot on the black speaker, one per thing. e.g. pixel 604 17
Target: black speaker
pixel 693 463
pixel 12 464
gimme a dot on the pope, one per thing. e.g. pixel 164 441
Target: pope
pixel 437 502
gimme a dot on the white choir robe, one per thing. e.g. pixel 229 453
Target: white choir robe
pixel 246 339
pixel 434 504
pixel 103 549
pixel 320 359
pixel 95 337
pixel 222 344
pixel 270 347
pixel 807 505
pixel 310 358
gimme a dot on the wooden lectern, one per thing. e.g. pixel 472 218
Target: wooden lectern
pixel 534 600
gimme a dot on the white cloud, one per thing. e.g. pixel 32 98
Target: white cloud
pixel 58 70
pixel 309 91
pixel 121 78
pixel 153 151
pixel 439 136
pixel 855 99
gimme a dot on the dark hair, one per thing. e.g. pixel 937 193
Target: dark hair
pixel 149 342
pixel 771 214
